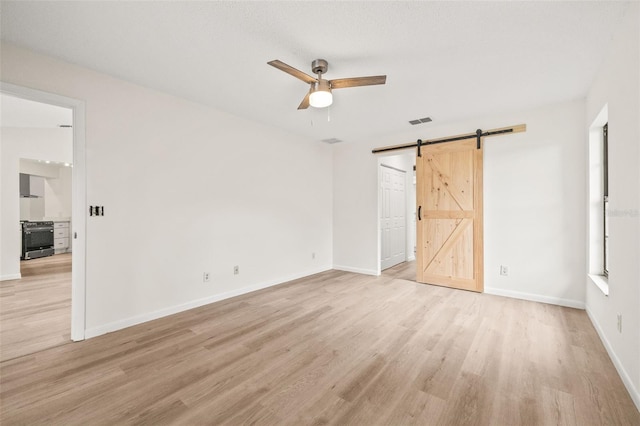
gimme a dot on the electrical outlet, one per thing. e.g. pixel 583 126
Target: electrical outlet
pixel 313 255
pixel 504 270
pixel 236 270
pixel 619 323
pixel 206 277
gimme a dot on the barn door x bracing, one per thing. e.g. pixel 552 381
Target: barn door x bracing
pixel 449 200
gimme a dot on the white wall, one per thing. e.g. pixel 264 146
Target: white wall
pixel 17 143
pixel 355 209
pixel 617 85
pixel 186 189
pixel 534 195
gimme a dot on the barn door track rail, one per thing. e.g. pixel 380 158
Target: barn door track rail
pixel 478 135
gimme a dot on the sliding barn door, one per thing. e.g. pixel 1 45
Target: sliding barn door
pixel 449 203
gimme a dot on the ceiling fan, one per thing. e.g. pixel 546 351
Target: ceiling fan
pixel 319 95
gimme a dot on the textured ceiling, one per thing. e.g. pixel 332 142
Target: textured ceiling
pixel 446 60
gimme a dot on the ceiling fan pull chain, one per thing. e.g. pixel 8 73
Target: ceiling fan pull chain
pixel 329 114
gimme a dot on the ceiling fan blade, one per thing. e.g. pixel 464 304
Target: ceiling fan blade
pixel 305 102
pixel 291 70
pixel 341 83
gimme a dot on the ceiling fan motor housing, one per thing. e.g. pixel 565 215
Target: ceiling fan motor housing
pixel 321 85
pixel 319 66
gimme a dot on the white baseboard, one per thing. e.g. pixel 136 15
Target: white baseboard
pixel 149 316
pixel 10 277
pixel 535 297
pixel 356 270
pixel 411 258
pixel 628 383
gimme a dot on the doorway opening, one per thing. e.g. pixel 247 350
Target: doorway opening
pixel 46 306
pixel 396 207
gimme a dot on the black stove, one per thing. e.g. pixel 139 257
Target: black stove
pixel 37 239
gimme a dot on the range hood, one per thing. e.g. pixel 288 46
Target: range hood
pixel 31 186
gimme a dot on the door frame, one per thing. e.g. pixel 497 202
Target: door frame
pixel 78 198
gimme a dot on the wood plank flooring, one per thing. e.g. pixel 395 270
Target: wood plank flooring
pixel 35 311
pixel 333 348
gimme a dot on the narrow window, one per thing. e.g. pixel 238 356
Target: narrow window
pixel 605 191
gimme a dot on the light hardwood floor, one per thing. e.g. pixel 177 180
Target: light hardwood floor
pixel 35 311
pixel 333 348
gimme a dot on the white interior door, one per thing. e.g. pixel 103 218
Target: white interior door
pixel 393 235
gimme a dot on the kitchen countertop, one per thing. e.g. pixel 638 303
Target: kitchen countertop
pixel 48 219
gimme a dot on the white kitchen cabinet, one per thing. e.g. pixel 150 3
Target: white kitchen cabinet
pixel 61 237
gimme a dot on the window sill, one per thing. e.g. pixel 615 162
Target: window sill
pixel 601 282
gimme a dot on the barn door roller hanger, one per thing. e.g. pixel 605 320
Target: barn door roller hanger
pixel 478 134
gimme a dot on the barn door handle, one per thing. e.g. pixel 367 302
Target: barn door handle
pixel 419 212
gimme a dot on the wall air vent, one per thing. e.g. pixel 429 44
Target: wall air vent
pixel 420 120
pixel 332 140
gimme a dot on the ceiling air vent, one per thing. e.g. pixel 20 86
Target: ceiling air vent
pixel 420 120
pixel 332 140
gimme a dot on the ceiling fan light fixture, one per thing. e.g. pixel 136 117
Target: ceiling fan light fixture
pixel 320 96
